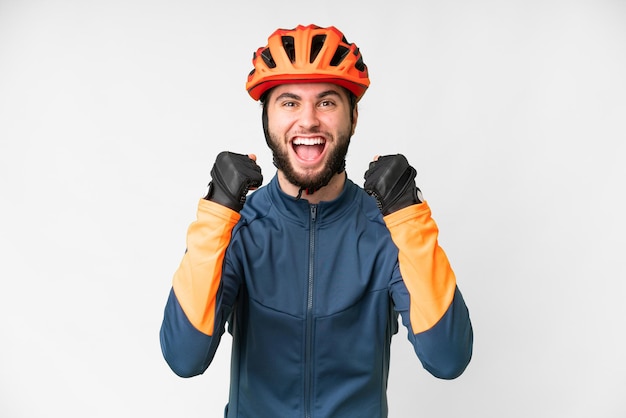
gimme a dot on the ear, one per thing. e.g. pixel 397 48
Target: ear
pixel 355 117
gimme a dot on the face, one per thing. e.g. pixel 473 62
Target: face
pixel 308 129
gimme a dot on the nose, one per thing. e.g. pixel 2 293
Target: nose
pixel 309 119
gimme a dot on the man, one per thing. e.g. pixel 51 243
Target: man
pixel 312 271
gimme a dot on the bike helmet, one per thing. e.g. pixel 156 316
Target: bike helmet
pixel 307 54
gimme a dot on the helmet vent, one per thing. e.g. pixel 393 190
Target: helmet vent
pixel 267 58
pixel 359 64
pixel 339 56
pixel 317 43
pixel 290 48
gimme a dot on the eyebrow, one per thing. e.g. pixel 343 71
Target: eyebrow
pixel 321 95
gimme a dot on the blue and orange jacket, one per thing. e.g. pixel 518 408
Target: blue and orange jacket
pixel 312 295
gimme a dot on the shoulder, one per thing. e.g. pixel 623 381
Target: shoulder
pixel 366 203
pixel 258 205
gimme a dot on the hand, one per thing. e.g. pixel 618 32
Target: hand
pixel 232 176
pixel 391 180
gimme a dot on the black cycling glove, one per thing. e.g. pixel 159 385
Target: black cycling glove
pixel 232 176
pixel 391 180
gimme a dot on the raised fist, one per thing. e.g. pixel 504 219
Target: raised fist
pixel 391 180
pixel 232 176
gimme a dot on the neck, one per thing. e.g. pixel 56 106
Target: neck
pixel 329 192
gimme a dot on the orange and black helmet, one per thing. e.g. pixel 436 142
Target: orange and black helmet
pixel 307 54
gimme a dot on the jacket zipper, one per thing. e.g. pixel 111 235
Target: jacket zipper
pixel 308 383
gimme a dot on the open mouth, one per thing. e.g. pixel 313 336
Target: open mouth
pixel 309 149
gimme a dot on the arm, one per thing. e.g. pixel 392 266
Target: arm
pixel 199 303
pixel 424 286
pixel 203 294
pixel 427 297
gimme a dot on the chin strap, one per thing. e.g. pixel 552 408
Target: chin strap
pixel 309 191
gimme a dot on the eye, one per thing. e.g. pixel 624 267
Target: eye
pixel 326 103
pixel 288 103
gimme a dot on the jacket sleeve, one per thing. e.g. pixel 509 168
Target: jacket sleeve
pixel 200 302
pixel 425 293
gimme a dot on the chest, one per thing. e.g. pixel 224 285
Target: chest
pixel 319 269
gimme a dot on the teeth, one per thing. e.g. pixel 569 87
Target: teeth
pixel 308 141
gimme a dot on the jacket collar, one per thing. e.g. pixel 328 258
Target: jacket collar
pixel 299 210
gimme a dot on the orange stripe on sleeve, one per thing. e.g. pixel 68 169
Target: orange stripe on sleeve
pixel 198 277
pixel 424 266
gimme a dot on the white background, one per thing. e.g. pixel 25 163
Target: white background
pixel 112 112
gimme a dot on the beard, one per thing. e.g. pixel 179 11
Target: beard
pixel 335 163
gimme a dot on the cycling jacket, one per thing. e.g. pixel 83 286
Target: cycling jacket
pixel 312 294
